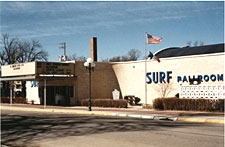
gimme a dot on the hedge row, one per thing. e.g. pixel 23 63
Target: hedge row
pixel 105 103
pixel 18 100
pixel 189 104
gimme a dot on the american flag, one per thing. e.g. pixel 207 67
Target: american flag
pixel 153 40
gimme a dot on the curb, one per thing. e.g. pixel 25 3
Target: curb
pixel 205 120
pixel 55 110
pixel 100 113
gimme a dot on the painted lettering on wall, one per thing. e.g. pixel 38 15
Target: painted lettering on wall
pixel 202 78
pixel 165 77
pixel 158 77
pixel 33 83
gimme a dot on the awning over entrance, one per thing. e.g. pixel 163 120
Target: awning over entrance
pixel 37 78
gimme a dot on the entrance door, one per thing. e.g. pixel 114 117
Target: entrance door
pixel 56 95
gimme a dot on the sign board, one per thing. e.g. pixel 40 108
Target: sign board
pixel 18 69
pixel 36 68
pixel 116 94
pixel 55 68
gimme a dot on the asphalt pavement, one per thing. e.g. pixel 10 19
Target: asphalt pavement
pixel 52 129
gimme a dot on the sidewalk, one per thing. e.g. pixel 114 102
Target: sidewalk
pixel 131 111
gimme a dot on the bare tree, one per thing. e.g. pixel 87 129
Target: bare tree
pixel 115 59
pixel 72 57
pixel 163 89
pixel 132 55
pixel 31 51
pixel 189 43
pixel 201 43
pixel 16 51
pixel 76 58
pixel 105 60
pixel 9 50
pixel 81 58
pixel 196 43
pixel 125 58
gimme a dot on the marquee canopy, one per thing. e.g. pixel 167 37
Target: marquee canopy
pixel 37 71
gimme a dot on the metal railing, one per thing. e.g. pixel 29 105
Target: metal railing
pixel 210 91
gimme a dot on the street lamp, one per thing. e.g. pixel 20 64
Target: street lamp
pixel 90 65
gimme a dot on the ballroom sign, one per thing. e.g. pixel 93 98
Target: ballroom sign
pixel 165 77
pixel 55 68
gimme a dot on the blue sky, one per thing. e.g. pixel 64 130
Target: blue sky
pixel 119 26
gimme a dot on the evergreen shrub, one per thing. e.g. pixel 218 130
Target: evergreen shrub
pixel 187 104
pixel 105 103
pixel 17 100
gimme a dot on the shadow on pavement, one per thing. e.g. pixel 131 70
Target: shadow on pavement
pixel 23 129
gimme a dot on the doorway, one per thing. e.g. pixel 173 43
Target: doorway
pixel 56 95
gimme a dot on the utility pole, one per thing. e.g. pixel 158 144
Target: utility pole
pixel 63 57
pixel 63 47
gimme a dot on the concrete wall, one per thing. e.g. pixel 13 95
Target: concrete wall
pixel 32 92
pixel 131 75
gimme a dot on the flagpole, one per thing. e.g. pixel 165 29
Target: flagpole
pixel 145 68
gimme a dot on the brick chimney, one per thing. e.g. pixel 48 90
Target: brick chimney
pixel 94 49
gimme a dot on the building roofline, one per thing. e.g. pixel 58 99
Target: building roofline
pixel 190 51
